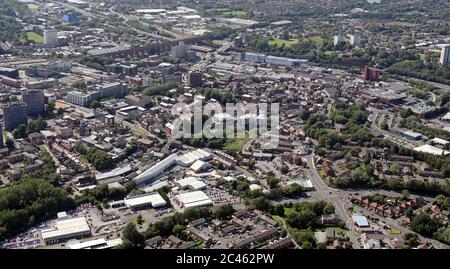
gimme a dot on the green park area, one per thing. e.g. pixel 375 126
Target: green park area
pixel 280 42
pixel 35 37
pixel 235 145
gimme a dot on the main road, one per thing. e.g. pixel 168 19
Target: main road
pixel 337 197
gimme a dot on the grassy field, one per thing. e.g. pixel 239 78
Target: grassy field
pixel 235 145
pixel 279 42
pixel 35 37
pixel 338 229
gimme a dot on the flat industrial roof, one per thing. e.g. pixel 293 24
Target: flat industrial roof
pixel 67 227
pixel 431 150
pixel 194 198
pixel 361 221
pixel 154 199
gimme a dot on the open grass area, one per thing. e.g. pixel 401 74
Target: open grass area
pixel 235 144
pixel 280 42
pixel 338 229
pixel 394 231
pixel 322 172
pixel 35 37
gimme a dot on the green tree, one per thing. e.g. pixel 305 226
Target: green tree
pixel 132 238
pixel 272 181
pixel 96 104
pixel 224 211
pixel 328 209
pixel 20 132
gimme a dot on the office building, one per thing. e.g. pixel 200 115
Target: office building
pixel 194 79
pixel 338 39
pixel 179 51
pixel 1 137
pixel 370 73
pixel 14 114
pixel 35 101
pixel 445 55
pixel 355 39
pixel 51 38
pixel 9 72
pixel 48 70
pixel 116 89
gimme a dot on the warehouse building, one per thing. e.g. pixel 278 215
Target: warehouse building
pixel 191 183
pixel 193 199
pixel 147 200
pixel 100 243
pixel 186 160
pixel 156 170
pixel 66 229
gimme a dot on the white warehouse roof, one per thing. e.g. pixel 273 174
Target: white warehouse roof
pixel 190 182
pixel 67 228
pixel 156 169
pixel 194 199
pixel 154 199
pixel 431 150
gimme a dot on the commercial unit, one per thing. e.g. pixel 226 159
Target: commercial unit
pixel 193 199
pixel 66 229
pixel 285 61
pixel 14 114
pixel 253 57
pixel 191 183
pixel 129 113
pixel 261 58
pixel 412 135
pixel 186 159
pixel 156 170
pixel 147 200
pixel 116 89
pixel 48 70
pixel 360 221
pixel 123 68
pixel 100 243
pixel 35 101
pixel 432 150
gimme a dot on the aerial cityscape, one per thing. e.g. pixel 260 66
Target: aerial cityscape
pixel 224 124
